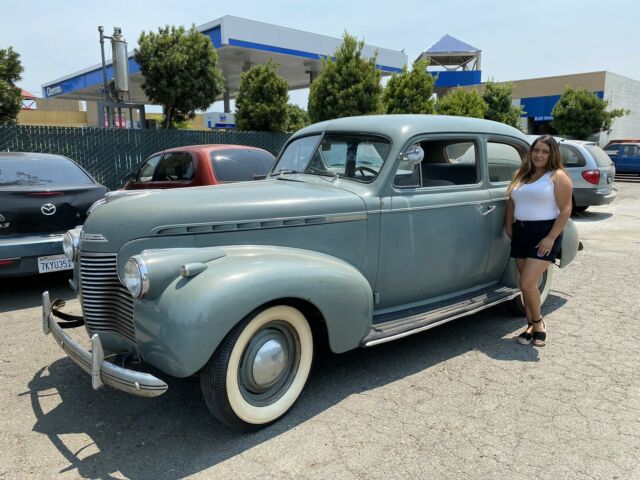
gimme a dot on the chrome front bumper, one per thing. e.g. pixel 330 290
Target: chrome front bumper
pixel 101 371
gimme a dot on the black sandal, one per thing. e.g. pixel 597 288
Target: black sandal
pixel 525 337
pixel 539 338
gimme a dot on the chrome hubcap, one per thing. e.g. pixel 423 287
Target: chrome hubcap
pixel 269 363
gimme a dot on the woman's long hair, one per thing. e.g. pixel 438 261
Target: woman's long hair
pixel 523 175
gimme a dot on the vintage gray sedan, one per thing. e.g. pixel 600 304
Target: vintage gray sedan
pixel 369 229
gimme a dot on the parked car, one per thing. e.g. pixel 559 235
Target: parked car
pixel 625 156
pixel 197 165
pixel 41 197
pixel 591 171
pixel 367 230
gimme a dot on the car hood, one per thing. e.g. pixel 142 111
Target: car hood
pixel 192 210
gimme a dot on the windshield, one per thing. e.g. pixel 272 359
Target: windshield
pixel 358 157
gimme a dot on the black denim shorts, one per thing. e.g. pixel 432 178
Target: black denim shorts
pixel 527 234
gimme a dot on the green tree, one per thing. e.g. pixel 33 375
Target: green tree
pixel 497 96
pixel 10 95
pixel 463 103
pixel 349 85
pixel 410 91
pixel 180 70
pixel 298 118
pixel 580 113
pixel 261 104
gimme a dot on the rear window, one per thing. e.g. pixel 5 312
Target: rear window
pixel 241 165
pixel 601 158
pixel 571 157
pixel 41 172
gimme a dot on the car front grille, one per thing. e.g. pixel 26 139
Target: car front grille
pixel 106 304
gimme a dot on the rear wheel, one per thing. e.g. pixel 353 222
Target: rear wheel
pixel 544 286
pixel 259 370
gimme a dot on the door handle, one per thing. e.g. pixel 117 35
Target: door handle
pixel 490 208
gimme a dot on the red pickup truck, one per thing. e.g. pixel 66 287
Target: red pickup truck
pixel 197 165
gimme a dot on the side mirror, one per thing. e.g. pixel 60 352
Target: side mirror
pixel 413 156
pixel 130 177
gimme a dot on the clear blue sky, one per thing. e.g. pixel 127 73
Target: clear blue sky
pixel 518 39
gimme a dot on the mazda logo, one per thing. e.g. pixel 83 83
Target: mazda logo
pixel 48 209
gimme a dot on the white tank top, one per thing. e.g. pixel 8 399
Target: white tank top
pixel 536 201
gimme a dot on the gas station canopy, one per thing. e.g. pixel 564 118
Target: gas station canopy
pixel 240 43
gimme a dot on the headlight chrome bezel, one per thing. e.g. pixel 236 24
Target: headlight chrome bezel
pixel 136 269
pixel 71 244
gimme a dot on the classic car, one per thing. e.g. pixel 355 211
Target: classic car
pixel 367 230
pixel 41 197
pixel 195 165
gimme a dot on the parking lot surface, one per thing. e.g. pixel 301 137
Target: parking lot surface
pixel 462 401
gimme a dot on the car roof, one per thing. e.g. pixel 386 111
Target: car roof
pixel 210 148
pixel 32 155
pixel 403 126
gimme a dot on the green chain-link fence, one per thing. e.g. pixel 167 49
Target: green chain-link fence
pixel 109 154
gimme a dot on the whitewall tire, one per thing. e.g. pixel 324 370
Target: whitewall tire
pixel 260 369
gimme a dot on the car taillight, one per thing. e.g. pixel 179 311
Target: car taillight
pixel 592 176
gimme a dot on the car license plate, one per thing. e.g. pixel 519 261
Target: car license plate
pixel 54 263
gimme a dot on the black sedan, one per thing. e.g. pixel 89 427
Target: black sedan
pixel 41 197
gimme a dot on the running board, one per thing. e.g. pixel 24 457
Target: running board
pixel 391 326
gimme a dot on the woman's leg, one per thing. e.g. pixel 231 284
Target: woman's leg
pixel 529 276
pixel 520 265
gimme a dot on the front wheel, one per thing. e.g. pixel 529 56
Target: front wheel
pixel 259 370
pixel 544 286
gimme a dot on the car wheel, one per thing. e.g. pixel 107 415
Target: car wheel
pixel 544 286
pixel 580 209
pixel 259 370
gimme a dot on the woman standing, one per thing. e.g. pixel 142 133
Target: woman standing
pixel 538 208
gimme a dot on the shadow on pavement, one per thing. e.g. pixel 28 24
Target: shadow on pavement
pixel 175 435
pixel 26 292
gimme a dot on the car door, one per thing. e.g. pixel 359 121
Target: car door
pixel 435 234
pixel 629 159
pixel 504 156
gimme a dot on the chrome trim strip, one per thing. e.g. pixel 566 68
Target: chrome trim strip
pixel 258 224
pixel 431 207
pixel 440 322
pixel 129 381
pixel 93 237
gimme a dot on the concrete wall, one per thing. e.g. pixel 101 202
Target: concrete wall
pixel 623 92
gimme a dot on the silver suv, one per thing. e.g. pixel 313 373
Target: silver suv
pixel 591 171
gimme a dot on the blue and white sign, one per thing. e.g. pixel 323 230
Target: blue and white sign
pixel 219 120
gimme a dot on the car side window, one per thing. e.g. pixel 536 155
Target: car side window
pixel 174 166
pixel 503 161
pixel 146 172
pixel 629 151
pixel 571 157
pixel 446 163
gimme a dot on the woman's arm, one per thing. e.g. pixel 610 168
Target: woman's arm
pixel 508 218
pixel 563 191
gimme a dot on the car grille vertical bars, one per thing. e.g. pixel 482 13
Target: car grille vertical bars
pixel 106 304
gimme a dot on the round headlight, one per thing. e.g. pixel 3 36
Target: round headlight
pixel 70 245
pixel 136 277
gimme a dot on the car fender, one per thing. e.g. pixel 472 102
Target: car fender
pixel 182 326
